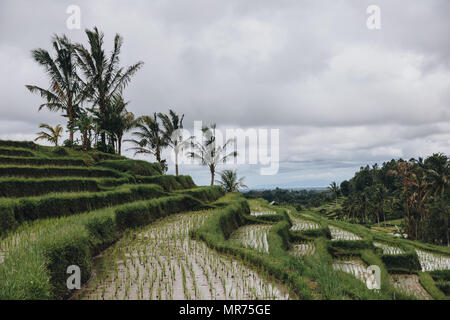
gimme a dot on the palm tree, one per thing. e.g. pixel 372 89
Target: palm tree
pixel 104 76
pixel 403 171
pixel 65 92
pixel 118 120
pixel 150 138
pixel 172 124
pixel 334 189
pixel 208 152
pixel 230 182
pixel 438 171
pixel 85 124
pixel 52 135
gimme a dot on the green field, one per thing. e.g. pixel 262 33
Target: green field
pixel 138 234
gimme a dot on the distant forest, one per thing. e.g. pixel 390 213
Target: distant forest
pixel 297 198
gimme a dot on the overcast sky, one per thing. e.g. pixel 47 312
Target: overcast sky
pixel 342 95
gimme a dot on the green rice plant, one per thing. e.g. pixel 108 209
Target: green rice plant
pixel 206 194
pixel 16 211
pixel 17 152
pixel 53 171
pixel 42 161
pixel 18 144
pixel 24 187
pixel 133 167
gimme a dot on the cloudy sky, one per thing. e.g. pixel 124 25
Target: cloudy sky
pixel 341 95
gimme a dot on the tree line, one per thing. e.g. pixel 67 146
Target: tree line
pixel 300 199
pixel 416 190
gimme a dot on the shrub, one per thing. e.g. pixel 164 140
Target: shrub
pixel 102 233
pixel 60 151
pixel 99 156
pixel 69 249
pixel 186 182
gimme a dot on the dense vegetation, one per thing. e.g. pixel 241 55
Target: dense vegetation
pixel 54 214
pixel 296 198
pixel 416 190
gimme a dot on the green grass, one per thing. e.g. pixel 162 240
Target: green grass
pixel 53 171
pixel 39 252
pixel 133 167
pixel 19 152
pixel 42 161
pixel 16 211
pixel 217 229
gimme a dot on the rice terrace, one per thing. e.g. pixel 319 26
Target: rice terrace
pixel 108 192
pixel 137 233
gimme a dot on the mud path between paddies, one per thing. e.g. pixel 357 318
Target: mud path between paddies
pixel 162 262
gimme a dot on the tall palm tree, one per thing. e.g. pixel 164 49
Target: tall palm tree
pixel 403 171
pixel 334 189
pixel 230 182
pixel 438 171
pixel 172 124
pixel 208 152
pixel 52 135
pixel 103 76
pixel 149 138
pixel 65 92
pixel 118 120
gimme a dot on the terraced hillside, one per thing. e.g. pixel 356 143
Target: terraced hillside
pixel 409 269
pixel 60 207
pixel 138 234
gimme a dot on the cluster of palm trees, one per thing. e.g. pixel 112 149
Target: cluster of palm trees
pixel 417 189
pixel 87 85
pixel 155 133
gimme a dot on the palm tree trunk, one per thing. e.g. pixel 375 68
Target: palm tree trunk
pixel 212 175
pixel 176 163
pixel 70 116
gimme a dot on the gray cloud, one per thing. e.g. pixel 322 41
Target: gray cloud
pixel 341 95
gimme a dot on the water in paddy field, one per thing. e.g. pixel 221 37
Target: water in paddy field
pixel 409 284
pixel 340 234
pixel 387 249
pixel 303 249
pixel 431 261
pixel 258 213
pixel 302 225
pixel 354 266
pixel 253 236
pixel 162 262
